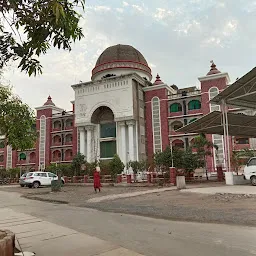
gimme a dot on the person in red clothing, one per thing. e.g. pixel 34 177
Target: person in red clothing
pixel 96 179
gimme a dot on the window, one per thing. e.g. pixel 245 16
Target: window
pixel 107 149
pixel 156 123
pixel 69 138
pixel 214 91
pixel 252 162
pixel 1 158
pixel 52 175
pixel 175 107
pixel 43 174
pixel 242 141
pixel 194 104
pixel 192 120
pixel 1 144
pixel 108 130
pixel 22 156
pixel 57 125
pixel 176 125
pixel 42 142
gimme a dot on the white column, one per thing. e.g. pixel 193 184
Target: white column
pixel 89 129
pixel 123 142
pixel 82 140
pixel 131 124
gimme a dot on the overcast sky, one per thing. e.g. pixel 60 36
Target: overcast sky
pixel 178 38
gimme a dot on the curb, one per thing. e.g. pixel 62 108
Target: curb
pixel 45 200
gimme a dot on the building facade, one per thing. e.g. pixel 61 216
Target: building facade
pixel 120 111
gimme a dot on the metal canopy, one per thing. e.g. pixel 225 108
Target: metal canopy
pixel 241 93
pixel 212 123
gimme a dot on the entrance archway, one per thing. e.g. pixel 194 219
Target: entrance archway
pixel 104 118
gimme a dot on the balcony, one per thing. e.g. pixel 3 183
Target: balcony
pixel 180 96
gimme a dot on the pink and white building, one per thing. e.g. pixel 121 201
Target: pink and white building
pixel 120 111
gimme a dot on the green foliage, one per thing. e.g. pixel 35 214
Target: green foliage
pixel 104 167
pixel 77 163
pixel 3 173
pixel 90 167
pixel 203 148
pixel 13 172
pixel 44 22
pixel 65 169
pixel 137 166
pixel 116 166
pixel 17 121
pixel 190 160
pixel 240 158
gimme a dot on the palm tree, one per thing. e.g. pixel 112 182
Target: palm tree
pixel 203 149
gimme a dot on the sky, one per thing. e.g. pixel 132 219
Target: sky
pixel 178 38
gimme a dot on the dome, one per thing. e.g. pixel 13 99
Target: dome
pixel 49 102
pixel 121 52
pixel 120 59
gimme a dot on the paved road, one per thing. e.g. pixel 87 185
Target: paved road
pixel 144 235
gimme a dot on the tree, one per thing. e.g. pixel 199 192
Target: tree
pixel 44 22
pixel 190 160
pixel 17 121
pixel 116 166
pixel 77 163
pixel 203 149
pixel 163 160
pixel 240 158
pixel 137 166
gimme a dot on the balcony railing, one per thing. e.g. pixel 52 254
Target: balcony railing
pixel 189 94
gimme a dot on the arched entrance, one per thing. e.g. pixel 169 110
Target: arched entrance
pixel 103 117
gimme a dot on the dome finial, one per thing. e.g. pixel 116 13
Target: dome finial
pixel 158 80
pixel 213 69
pixel 49 102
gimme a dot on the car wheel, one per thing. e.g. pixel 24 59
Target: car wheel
pixel 21 185
pixel 253 180
pixel 30 186
pixel 36 184
pixel 62 182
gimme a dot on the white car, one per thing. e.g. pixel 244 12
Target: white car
pixel 250 171
pixel 37 179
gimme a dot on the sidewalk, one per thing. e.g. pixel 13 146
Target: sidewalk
pixel 238 189
pixel 45 238
pixel 131 194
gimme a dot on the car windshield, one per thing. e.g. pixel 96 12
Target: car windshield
pixel 29 174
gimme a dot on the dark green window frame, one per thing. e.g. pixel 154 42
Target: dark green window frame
pixel 175 107
pixel 107 149
pixel 194 104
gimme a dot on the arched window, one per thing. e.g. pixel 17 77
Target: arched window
pixel 192 120
pixel 22 156
pixel 156 123
pixel 214 91
pixel 178 144
pixel 194 104
pixel 57 124
pixel 69 138
pixel 176 125
pixel 2 144
pixel 175 107
pixel 42 142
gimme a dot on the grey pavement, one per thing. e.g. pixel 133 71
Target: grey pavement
pixel 236 189
pixel 146 236
pixel 131 194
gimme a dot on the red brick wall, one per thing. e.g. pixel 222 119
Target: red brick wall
pixel 221 84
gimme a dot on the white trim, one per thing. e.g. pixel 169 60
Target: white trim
pixel 209 97
pixel 191 115
pixel 43 117
pixel 159 110
pixel 182 135
pixel 215 76
pixel 137 143
pixel 49 106
pixel 157 87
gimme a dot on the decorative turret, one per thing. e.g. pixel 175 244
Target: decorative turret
pixel 158 80
pixel 213 69
pixel 49 102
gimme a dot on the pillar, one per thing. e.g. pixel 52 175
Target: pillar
pixel 131 124
pixel 89 129
pixel 123 141
pixel 82 140
pixel 173 175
